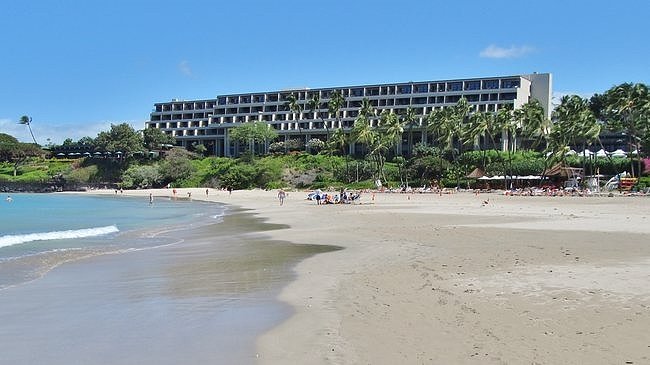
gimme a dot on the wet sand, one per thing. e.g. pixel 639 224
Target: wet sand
pixel 204 300
pixel 428 279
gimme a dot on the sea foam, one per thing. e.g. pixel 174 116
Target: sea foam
pixel 10 240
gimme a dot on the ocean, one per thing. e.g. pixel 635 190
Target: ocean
pixel 119 280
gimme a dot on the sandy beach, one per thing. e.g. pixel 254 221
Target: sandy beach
pixel 429 279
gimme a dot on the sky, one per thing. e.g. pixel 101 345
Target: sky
pixel 78 66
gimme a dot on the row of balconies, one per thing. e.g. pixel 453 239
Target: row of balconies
pixel 360 92
pixel 381 102
pixel 243 115
pixel 185 106
pixel 288 125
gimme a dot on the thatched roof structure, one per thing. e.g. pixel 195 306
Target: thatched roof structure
pixel 560 170
pixel 477 173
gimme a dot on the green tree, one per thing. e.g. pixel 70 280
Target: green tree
pixel 392 128
pixel 18 153
pixel 176 165
pixel 409 119
pixel 155 138
pixel 483 127
pixel 628 111
pixel 314 106
pixel 25 120
pixel 296 108
pixel 533 122
pixel 86 141
pixel 141 176
pixel 122 138
pixel 336 102
pixel 6 138
pixel 252 133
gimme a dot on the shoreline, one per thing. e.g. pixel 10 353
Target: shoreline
pixel 446 279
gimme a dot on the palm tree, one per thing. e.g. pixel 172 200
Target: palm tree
pixel 392 128
pixel 28 121
pixel 337 101
pixel 409 119
pixel 296 108
pixel 533 121
pixel 481 128
pixel 628 110
pixel 313 106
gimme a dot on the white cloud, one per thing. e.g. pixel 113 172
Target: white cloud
pixel 185 68
pixel 493 51
pixel 57 133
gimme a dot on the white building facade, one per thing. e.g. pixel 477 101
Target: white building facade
pixel 208 121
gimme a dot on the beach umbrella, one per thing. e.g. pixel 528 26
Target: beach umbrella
pixel 60 154
pixel 619 153
pixel 601 153
pixel 570 153
pixel 587 153
pixel 86 153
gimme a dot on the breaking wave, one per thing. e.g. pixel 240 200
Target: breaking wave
pixel 10 240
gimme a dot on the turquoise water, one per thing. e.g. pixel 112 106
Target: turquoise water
pixel 116 280
pixel 40 231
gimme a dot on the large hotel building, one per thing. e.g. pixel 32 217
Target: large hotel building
pixel 208 121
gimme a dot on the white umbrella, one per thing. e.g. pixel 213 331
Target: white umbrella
pixel 601 153
pixel 619 153
pixel 587 153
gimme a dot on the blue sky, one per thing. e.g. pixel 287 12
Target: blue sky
pixel 76 67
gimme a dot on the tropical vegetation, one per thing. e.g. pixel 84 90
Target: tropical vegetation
pixel 378 148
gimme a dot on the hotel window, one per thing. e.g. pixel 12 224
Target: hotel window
pixel 404 89
pixel 357 92
pixel 373 91
pixel 419 100
pixel 421 88
pixel 472 85
pixel 491 84
pixel 508 96
pixel 455 86
pixel 221 100
pixel 452 98
pixel 510 83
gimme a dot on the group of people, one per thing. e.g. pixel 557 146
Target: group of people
pixel 344 197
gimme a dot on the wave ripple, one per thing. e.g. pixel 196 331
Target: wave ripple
pixel 10 240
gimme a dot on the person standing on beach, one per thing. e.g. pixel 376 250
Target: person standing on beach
pixel 281 196
pixel 207 191
pixel 150 198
